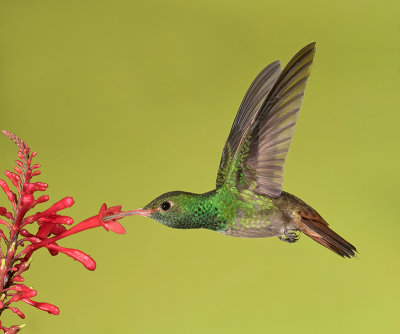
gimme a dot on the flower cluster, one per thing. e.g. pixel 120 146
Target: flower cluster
pixel 23 234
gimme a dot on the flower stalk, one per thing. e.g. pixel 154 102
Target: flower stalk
pixel 22 234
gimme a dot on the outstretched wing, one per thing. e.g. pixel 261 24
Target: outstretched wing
pixel 248 109
pixel 258 163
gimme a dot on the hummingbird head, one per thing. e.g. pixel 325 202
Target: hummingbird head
pixel 172 209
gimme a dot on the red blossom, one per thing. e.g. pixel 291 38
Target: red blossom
pixel 49 308
pixel 76 254
pixel 41 229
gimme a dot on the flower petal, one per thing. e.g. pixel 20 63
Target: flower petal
pixel 115 227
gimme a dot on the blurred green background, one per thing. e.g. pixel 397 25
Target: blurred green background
pixel 125 100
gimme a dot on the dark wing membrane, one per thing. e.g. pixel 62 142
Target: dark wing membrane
pixel 267 142
pixel 248 109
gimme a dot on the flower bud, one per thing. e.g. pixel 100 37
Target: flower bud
pixel 17 311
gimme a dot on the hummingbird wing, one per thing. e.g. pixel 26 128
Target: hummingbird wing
pixel 258 162
pixel 248 109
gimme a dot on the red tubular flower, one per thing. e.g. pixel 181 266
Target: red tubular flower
pixel 76 254
pixel 49 308
pixel 48 227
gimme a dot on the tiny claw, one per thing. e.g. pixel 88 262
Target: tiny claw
pixel 290 236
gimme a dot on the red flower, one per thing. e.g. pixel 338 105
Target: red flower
pixel 51 227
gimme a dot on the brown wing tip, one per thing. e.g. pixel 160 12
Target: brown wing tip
pixel 309 46
pixel 308 49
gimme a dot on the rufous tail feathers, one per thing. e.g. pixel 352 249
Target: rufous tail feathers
pixel 313 225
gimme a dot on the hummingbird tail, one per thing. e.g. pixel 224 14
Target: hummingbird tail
pixel 317 228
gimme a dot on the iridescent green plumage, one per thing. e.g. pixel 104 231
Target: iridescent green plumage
pixel 219 210
pixel 248 200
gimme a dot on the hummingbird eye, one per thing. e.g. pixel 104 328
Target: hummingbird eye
pixel 165 206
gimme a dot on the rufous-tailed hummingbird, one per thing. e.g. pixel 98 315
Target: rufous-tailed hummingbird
pixel 248 201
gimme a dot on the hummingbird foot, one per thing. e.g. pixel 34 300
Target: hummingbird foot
pixel 290 236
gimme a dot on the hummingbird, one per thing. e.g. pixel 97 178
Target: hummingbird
pixel 248 200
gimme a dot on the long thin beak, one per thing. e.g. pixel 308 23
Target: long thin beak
pixel 137 212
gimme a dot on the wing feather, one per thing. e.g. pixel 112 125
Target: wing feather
pixel 259 161
pixel 248 109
